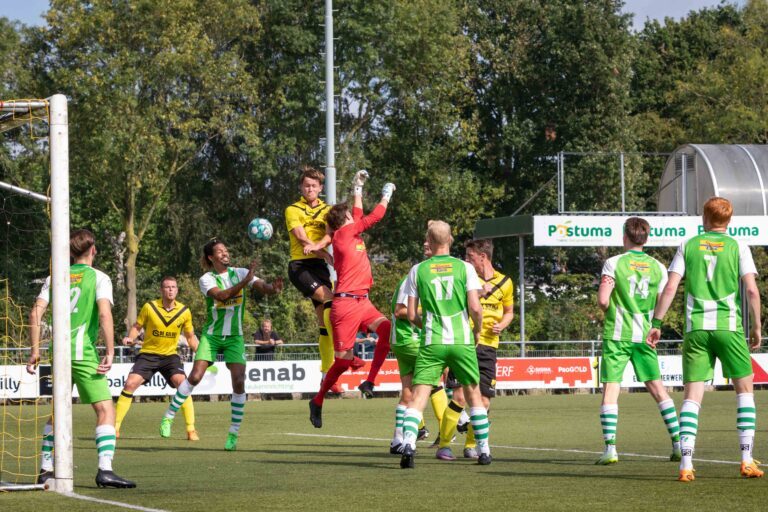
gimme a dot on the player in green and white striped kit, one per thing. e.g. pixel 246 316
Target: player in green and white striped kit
pixel 225 300
pixel 90 305
pixel 629 287
pixel 448 289
pixel 713 264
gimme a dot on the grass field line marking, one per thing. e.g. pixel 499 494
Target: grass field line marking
pixel 521 448
pixel 110 502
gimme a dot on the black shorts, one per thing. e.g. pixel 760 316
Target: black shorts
pixel 486 361
pixel 147 365
pixel 309 275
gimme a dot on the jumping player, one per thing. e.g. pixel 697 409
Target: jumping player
pixel 222 287
pixel 629 287
pixel 352 310
pixel 448 290
pixel 163 320
pixel 713 264
pixel 90 307
pixel 308 268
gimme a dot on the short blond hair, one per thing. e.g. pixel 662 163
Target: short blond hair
pixel 439 233
pixel 717 211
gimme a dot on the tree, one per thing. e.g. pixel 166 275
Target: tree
pixel 152 84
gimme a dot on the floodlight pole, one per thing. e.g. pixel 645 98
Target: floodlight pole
pixel 330 145
pixel 62 381
pixel 521 288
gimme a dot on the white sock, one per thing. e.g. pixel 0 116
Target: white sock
pixel 105 446
pixel 745 424
pixel 689 427
pixel 464 418
pixel 397 438
pixel 411 426
pixel 609 421
pixel 46 455
pixel 238 410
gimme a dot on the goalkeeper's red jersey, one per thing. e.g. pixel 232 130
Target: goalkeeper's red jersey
pixel 350 258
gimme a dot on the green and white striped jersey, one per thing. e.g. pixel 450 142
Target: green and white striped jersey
pixel 712 264
pixel 441 284
pixel 404 333
pixel 639 279
pixel 86 286
pixel 224 318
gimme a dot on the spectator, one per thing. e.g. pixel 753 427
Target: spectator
pixel 266 340
pixel 365 344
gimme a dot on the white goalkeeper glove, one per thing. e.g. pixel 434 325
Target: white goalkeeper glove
pixel 387 191
pixel 359 181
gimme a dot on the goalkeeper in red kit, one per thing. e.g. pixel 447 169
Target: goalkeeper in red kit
pixel 352 310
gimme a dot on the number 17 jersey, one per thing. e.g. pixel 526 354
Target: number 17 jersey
pixel 639 279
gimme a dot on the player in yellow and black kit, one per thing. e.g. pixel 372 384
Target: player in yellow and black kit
pixel 498 312
pixel 308 270
pixel 163 320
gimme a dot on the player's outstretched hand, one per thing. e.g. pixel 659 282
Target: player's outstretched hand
pixel 360 177
pixel 128 341
pixel 277 285
pixel 387 191
pixel 755 337
pixel 654 335
pixel 32 363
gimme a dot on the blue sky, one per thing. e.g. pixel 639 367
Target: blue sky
pixel 29 12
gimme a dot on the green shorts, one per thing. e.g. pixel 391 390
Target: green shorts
pixel 700 348
pixel 233 348
pixel 616 355
pixel 432 360
pixel 91 386
pixel 406 357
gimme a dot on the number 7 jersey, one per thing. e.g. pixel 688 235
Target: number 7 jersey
pixel 639 279
pixel 712 264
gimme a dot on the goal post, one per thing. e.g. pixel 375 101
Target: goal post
pixel 14 114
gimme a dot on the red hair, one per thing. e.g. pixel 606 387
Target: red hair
pixel 717 211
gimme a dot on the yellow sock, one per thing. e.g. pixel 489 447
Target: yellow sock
pixel 123 404
pixel 439 400
pixel 448 425
pixel 470 441
pixel 325 341
pixel 188 408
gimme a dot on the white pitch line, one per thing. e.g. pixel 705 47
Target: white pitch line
pixel 110 502
pixel 520 448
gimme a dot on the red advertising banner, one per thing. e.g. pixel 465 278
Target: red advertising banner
pixel 544 372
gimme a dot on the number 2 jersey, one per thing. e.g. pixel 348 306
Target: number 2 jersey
pixel 86 286
pixel 639 279
pixel 712 264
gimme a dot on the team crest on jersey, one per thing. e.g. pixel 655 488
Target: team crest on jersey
pixel 360 247
pixel 639 266
pixel 441 268
pixel 711 246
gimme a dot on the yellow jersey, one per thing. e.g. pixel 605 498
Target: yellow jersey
pixel 493 306
pixel 162 327
pixel 312 219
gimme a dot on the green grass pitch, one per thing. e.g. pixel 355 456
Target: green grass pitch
pixel 544 449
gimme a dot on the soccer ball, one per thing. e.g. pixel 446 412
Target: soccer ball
pixel 259 230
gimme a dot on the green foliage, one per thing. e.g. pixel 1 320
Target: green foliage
pixel 185 126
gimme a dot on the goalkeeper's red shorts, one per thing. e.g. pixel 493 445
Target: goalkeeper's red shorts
pixel 350 314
